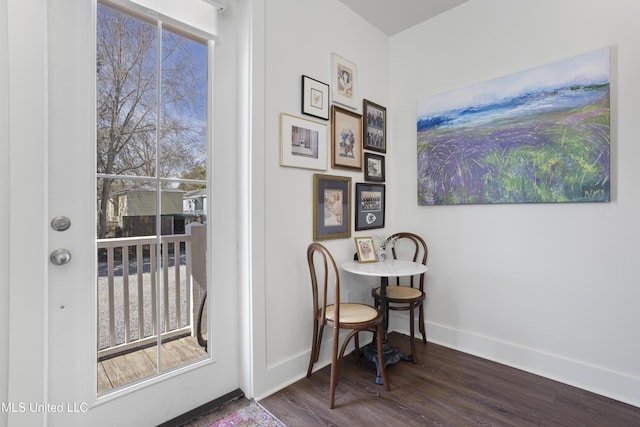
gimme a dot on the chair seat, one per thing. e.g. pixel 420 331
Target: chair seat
pixel 400 293
pixel 353 313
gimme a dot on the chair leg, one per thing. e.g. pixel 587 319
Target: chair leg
pixel 421 325
pixel 335 368
pixel 315 347
pixel 412 328
pixel 356 341
pixel 383 371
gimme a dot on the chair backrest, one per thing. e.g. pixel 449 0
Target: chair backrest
pixel 412 247
pixel 324 272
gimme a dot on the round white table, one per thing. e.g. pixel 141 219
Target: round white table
pixel 384 270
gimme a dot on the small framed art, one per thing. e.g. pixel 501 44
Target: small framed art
pixel 374 129
pixel 373 167
pixel 370 206
pixel 315 98
pixel 303 143
pixel 331 202
pixel 344 81
pixel 346 139
pixel 365 249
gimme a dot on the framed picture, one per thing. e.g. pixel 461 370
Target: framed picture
pixel 374 126
pixel 303 143
pixel 373 167
pixel 370 206
pixel 315 98
pixel 331 201
pixel 346 138
pixel 366 249
pixel 344 81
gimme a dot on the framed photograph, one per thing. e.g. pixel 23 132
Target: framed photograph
pixel 331 201
pixel 346 139
pixel 373 167
pixel 374 126
pixel 315 98
pixel 370 206
pixel 344 81
pixel 303 143
pixel 366 249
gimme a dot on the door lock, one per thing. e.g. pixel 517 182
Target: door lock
pixel 60 223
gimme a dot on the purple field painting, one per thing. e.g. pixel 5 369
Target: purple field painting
pixel 538 136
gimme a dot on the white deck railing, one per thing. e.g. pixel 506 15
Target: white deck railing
pixel 134 294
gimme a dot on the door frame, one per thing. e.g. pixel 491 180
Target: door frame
pixel 28 243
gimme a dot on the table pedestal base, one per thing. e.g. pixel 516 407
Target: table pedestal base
pixel 392 355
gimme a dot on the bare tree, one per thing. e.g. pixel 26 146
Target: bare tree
pixel 136 134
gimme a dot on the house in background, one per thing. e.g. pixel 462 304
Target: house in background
pixel 132 212
pixel 195 202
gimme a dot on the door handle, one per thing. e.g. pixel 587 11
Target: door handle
pixel 60 256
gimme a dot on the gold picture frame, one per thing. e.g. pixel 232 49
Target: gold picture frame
pixel 366 249
pixel 346 139
pixel 331 207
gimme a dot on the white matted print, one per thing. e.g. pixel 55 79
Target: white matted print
pixel 344 80
pixel 303 143
pixel 315 98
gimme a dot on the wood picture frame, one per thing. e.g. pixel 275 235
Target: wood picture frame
pixel 344 81
pixel 374 167
pixel 369 206
pixel 303 143
pixel 346 139
pixel 315 98
pixel 374 126
pixel 331 207
pixel 366 249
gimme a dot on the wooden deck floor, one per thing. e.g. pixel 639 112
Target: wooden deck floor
pixel 125 369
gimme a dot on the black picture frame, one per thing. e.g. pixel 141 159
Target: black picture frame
pixel 374 126
pixel 331 207
pixel 315 98
pixel 369 206
pixel 374 167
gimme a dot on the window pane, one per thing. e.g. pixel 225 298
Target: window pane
pixel 126 84
pixel 152 198
pixel 183 123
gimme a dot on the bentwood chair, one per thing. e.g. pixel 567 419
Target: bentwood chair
pixel 351 316
pixel 408 295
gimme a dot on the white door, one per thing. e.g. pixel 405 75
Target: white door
pixel 71 373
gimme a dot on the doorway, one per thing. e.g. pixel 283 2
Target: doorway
pixel 61 359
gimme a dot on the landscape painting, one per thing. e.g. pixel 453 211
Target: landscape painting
pixel 538 136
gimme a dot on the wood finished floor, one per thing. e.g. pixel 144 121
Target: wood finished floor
pixel 448 388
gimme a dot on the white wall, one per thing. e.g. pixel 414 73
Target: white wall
pixel 549 288
pixel 299 39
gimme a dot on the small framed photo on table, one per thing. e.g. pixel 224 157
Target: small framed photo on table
pixel 315 98
pixel 331 207
pixel 370 206
pixel 366 249
pixel 374 126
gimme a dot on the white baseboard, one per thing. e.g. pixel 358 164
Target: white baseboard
pixel 606 382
